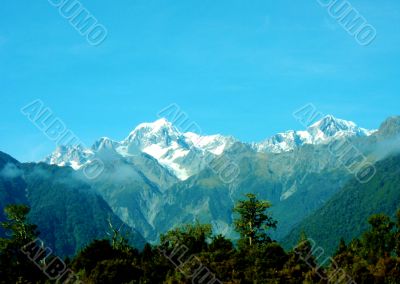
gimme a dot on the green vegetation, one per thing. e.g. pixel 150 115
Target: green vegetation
pixel 192 254
pixel 15 267
pixel 346 213
pixel 66 209
pixel 253 222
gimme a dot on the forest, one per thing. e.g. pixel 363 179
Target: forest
pixel 191 253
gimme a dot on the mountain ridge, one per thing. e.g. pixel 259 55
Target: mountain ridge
pixel 183 154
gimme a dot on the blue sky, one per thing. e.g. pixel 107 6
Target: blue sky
pixel 235 67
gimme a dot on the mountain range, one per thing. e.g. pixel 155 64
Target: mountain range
pixel 182 154
pixel 158 178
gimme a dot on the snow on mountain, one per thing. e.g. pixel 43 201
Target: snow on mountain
pixel 282 142
pixel 331 127
pixel 181 153
pixel 322 131
pixel 73 156
pixel 215 144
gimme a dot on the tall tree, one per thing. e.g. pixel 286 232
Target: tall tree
pixel 15 266
pixel 17 225
pixel 253 221
pixel 379 241
pixel 119 237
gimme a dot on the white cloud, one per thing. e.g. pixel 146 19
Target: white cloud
pixel 10 171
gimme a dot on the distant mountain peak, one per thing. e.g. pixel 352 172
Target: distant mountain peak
pixel 104 143
pixel 390 127
pixel 331 126
pixel 153 132
pixel 329 118
pixel 331 122
pixel 320 132
pixel 155 126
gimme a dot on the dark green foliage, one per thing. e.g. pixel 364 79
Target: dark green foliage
pixel 97 251
pixel 192 236
pixel 115 271
pixel 100 262
pixel 379 241
pixel 220 257
pixel 371 259
pixel 346 214
pixel 15 266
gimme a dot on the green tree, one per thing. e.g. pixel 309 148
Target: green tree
pixel 253 221
pixel 155 265
pixel 95 252
pixel 100 262
pixel 15 266
pixel 194 237
pixel 20 230
pixel 118 237
pixel 301 266
pixel 220 258
pixel 379 241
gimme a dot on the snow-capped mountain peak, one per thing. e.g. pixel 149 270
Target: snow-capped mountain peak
pixel 181 153
pixel 159 130
pixel 330 127
pixel 322 131
pixel 156 126
pixel 73 156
